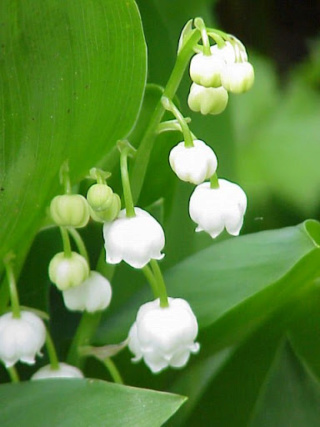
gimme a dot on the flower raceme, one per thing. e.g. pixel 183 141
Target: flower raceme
pixel 226 68
pixel 135 240
pixel 164 336
pixel 193 164
pixel 214 209
pixel 64 371
pixel 94 294
pixel 21 338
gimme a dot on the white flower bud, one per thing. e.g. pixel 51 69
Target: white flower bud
pixel 230 53
pixel 64 371
pixel 66 272
pixel 207 100
pixel 205 70
pixel 21 338
pixel 135 240
pixel 238 77
pixel 70 210
pixel 99 197
pixel 92 295
pixel 164 337
pixel 193 164
pixel 214 209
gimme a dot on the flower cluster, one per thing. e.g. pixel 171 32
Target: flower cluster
pixel 223 69
pixel 220 204
pixel 165 330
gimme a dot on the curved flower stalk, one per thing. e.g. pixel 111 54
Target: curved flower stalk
pixel 164 336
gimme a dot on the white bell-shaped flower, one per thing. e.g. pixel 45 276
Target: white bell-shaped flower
pixel 92 295
pixel 64 371
pixel 205 70
pixel 214 209
pixel 193 164
pixel 207 100
pixel 135 240
pixel 68 271
pixel 164 336
pixel 21 338
pixel 238 77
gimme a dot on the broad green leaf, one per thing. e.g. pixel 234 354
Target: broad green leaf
pixel 305 330
pixel 69 403
pixel 227 283
pixel 232 387
pixel 72 80
pixel 291 395
pixel 196 380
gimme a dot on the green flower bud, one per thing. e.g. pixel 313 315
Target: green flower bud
pixel 70 210
pixel 109 214
pixel 67 272
pixel 99 197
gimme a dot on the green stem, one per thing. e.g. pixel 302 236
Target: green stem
pixel 162 291
pixel 200 25
pixel 169 105
pixel 214 182
pixel 79 242
pixel 88 323
pixel 114 372
pixel 171 125
pixel 151 279
pixel 87 326
pixel 65 242
pixel 128 201
pixel 13 374
pixel 14 296
pixel 54 362
pixel 143 154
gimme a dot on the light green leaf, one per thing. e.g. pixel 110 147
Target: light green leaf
pixel 72 80
pixel 69 403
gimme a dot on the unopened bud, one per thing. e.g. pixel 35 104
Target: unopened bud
pixel 207 100
pixel 99 197
pixel 109 214
pixel 66 272
pixel 70 210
